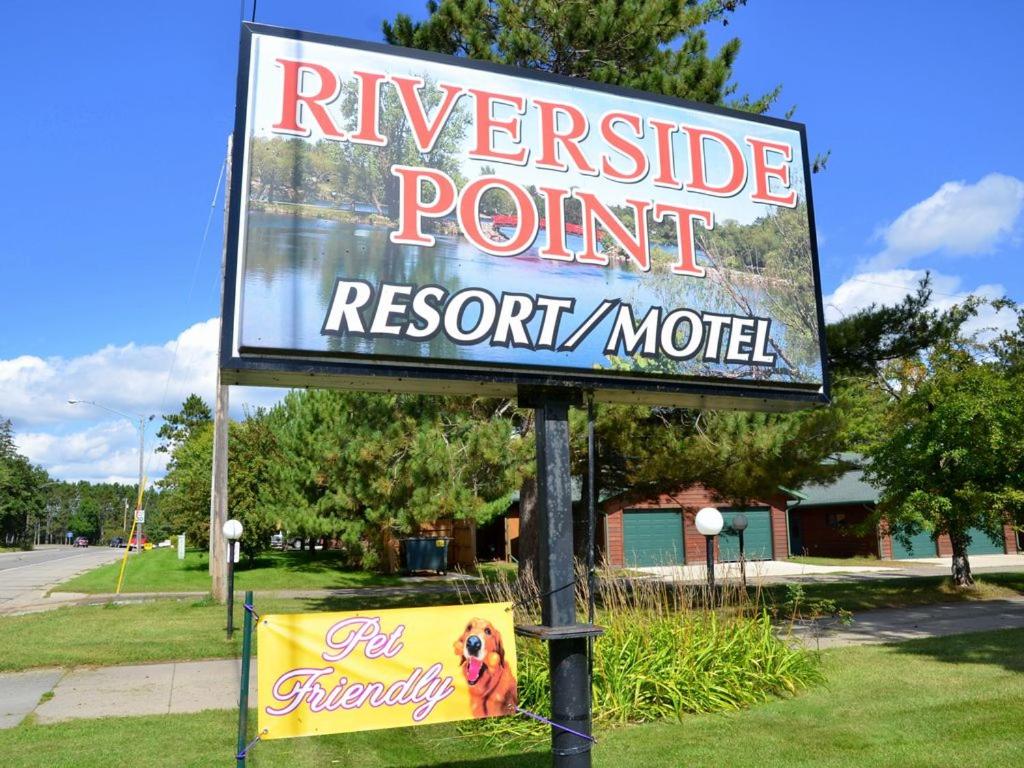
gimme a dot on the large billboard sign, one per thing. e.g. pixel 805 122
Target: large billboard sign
pixel 415 222
pixel 334 672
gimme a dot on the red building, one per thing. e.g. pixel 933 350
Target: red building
pixel 660 530
pixel 839 520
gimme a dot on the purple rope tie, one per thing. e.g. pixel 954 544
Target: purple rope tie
pixel 245 752
pixel 251 610
pixel 559 726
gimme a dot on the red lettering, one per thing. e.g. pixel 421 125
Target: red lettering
pixel 626 146
pixel 594 211
pixel 369 109
pixel 666 161
pixel 763 171
pixel 424 133
pixel 554 218
pixel 412 208
pixel 486 124
pixel 698 165
pixel 292 97
pixel 685 217
pixel 550 137
pixel 526 217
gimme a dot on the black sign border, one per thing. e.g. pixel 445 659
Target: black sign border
pixel 300 368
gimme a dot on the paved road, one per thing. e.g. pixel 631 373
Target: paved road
pixel 26 577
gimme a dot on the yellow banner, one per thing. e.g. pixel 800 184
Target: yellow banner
pixel 333 672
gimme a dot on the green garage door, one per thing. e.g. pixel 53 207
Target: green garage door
pixel 653 537
pixel 981 544
pixel 757 539
pixel 921 545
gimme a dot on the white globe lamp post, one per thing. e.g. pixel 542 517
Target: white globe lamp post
pixel 232 532
pixel 709 524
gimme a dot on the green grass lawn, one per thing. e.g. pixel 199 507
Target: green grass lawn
pixel 160 570
pixel 871 594
pixel 159 630
pixel 166 630
pixel 497 571
pixel 921 704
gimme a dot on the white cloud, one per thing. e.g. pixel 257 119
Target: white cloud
pixel 889 287
pixel 960 219
pixel 130 378
pixel 82 442
pixel 104 452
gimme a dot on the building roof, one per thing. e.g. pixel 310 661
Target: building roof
pixel 850 488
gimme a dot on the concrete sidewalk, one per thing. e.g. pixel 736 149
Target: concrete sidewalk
pixel 896 625
pixel 154 689
pixel 139 689
pixel 763 571
pixel 450 584
pixel 790 571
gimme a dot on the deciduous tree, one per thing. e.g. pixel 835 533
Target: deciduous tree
pixel 952 458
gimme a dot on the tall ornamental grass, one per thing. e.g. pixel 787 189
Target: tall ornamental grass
pixel 668 650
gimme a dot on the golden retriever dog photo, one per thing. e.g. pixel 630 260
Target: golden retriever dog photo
pixel 492 686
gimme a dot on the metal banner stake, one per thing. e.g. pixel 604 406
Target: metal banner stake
pixel 243 691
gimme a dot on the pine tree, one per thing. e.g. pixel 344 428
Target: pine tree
pixel 363 468
pixel 659 46
pixel 21 497
pixel 178 426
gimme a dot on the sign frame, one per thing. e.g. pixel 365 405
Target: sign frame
pixel 302 368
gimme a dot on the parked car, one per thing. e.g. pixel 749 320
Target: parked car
pixel 117 541
pixel 81 541
pixel 134 544
pixel 277 541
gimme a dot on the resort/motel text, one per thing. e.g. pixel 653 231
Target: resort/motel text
pixel 475 316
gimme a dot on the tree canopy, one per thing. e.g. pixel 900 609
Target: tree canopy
pixel 178 426
pixel 21 491
pixel 658 46
pixel 953 457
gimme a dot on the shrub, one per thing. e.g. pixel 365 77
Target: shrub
pixel 668 650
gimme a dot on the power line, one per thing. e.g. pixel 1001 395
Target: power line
pixel 191 293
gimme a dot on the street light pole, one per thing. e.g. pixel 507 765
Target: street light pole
pixel 138 503
pixel 142 452
pixel 739 524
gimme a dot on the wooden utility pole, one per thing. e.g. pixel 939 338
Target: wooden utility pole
pixel 219 487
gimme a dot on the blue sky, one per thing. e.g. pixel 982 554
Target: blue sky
pixel 115 145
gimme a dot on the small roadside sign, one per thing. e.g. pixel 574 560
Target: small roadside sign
pixel 140 515
pixel 70 535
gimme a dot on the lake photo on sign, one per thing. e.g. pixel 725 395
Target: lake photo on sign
pixel 404 209
pixel 334 672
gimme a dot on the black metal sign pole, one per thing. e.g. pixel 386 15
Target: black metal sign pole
pixel 567 651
